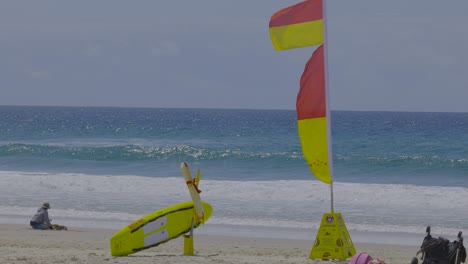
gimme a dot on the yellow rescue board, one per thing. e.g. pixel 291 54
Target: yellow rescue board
pixel 156 228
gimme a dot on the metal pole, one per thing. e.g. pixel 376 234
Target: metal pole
pixel 327 94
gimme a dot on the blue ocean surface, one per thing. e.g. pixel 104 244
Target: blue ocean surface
pixel 102 166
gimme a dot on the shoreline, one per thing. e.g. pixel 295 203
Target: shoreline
pixel 255 231
pixel 21 244
pixel 308 234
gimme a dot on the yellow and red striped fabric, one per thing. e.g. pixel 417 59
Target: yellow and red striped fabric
pixel 312 116
pixel 297 26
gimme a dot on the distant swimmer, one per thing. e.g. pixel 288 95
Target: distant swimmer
pixel 41 219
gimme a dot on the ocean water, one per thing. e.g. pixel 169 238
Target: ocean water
pixel 394 172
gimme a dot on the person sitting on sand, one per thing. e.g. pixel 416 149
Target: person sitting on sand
pixel 41 219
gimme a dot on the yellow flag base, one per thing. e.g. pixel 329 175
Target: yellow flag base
pixel 188 245
pixel 332 240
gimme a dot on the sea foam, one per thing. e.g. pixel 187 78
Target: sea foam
pixel 114 201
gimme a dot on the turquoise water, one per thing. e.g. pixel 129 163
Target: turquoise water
pixel 105 167
pixel 378 147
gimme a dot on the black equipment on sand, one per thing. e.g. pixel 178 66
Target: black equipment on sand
pixel 441 250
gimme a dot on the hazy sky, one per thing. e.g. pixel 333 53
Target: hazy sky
pixel 397 55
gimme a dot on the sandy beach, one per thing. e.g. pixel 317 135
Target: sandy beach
pixel 21 244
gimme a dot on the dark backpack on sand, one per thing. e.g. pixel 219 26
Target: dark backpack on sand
pixel 442 251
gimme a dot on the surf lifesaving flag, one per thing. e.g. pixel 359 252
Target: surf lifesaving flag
pixel 297 26
pixel 313 127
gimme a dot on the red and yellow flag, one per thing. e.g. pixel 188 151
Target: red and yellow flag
pixel 311 106
pixel 297 26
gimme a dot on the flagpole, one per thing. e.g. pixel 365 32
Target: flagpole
pixel 331 192
pixel 327 95
pixel 314 82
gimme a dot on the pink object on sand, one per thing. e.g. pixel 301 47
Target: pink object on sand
pixel 361 258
